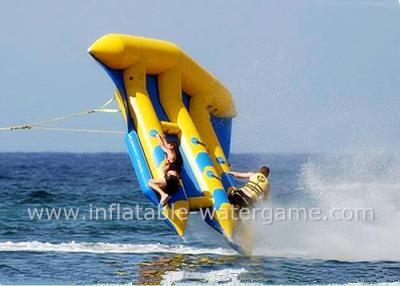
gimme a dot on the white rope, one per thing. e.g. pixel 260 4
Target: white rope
pixel 79 130
pixel 107 103
pixel 33 125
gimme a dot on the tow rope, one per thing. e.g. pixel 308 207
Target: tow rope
pixel 36 125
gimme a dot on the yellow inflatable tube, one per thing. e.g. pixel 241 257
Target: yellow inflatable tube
pixel 118 51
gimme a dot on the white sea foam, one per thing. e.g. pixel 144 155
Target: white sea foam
pixel 227 277
pixel 216 276
pixel 108 248
pixel 362 181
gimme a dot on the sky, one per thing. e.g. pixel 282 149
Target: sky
pixel 306 76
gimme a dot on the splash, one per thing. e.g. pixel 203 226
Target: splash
pixel 228 275
pixel 108 248
pixel 342 182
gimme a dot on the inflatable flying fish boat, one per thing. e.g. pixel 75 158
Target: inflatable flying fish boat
pixel 161 90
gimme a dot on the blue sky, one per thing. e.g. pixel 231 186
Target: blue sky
pixel 306 76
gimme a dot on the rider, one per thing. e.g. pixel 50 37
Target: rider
pixel 257 188
pixel 168 185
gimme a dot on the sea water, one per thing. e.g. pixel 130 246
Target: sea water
pixel 135 250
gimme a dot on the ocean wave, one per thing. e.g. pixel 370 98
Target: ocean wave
pixel 100 247
pixel 38 197
pixel 40 194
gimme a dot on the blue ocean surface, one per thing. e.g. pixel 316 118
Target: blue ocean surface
pixel 85 250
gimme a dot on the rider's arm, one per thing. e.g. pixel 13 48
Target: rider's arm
pixel 162 141
pixel 242 175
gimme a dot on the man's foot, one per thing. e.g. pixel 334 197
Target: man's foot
pixel 164 199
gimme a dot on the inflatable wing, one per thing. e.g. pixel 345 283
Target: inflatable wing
pixel 161 90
